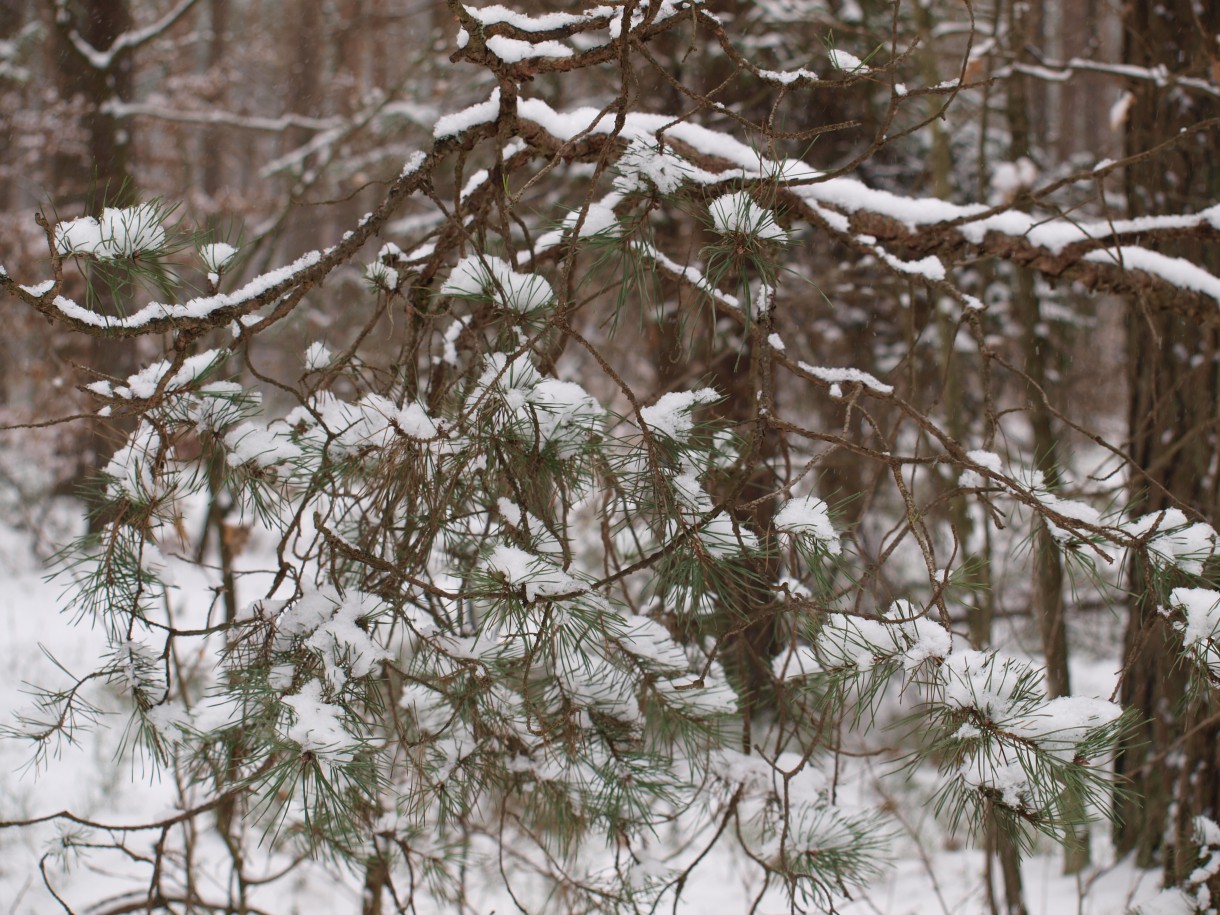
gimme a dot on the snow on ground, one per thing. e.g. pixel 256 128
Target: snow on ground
pixel 931 872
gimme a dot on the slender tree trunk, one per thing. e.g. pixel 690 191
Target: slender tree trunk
pixel 215 138
pixel 1048 578
pixel 1174 401
pixel 1046 597
pixel 103 179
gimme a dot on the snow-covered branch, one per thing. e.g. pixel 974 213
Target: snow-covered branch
pixel 1060 72
pixel 104 58
pixel 164 111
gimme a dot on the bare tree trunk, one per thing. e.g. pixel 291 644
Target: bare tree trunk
pixel 1025 26
pixel 215 138
pixel 1174 407
pixel 103 179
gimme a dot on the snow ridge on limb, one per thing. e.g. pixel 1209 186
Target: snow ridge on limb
pixel 927 227
pixel 129 41
pixel 519 46
pixel 928 231
pixel 206 312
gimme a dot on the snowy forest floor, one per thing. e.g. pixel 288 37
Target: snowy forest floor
pixel 931 871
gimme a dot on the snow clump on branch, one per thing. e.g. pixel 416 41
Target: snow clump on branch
pixel 671 415
pixel 487 276
pixel 1200 610
pixel 119 233
pixel 217 257
pixel 738 214
pixel 809 516
pixel 1175 541
pixel 642 164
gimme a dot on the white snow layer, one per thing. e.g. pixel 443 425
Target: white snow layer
pixel 990 460
pixel 671 415
pixel 480 113
pixel 535 575
pixel 1175 541
pixel 738 214
pixel 118 233
pixel 846 641
pixel 809 515
pixel 485 275
pixel 144 383
pixel 837 376
pixel 514 50
pixel 217 256
pixel 1200 608
pixel 317 725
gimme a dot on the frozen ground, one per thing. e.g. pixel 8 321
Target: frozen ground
pixel 931 872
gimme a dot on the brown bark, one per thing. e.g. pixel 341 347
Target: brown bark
pixel 1174 401
pixel 105 176
pixel 215 139
pixel 1028 119
pixel 103 179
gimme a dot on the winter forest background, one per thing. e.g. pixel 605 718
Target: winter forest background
pixel 729 456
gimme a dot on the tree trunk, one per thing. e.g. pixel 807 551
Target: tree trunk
pixel 103 179
pixel 215 139
pixel 1174 396
pixel 1027 119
